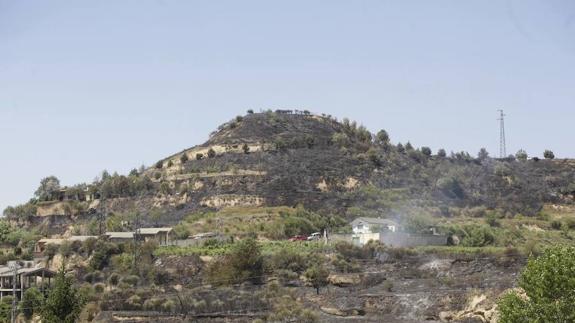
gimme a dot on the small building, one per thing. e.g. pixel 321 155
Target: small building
pixel 365 225
pixel 163 236
pixel 42 243
pixel 26 275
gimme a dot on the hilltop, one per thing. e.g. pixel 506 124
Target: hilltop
pixel 287 158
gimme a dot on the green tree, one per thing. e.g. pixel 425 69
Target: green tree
pixel 184 158
pixel 521 155
pixel 382 138
pixel 49 186
pixel 31 302
pixel 244 262
pixel 549 285
pixel 548 154
pixel 441 153
pixel 483 154
pixel 64 303
pixel 426 151
pixel 5 309
pixel 317 276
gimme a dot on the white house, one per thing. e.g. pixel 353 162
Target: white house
pixel 372 225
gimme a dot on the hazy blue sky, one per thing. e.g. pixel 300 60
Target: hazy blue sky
pixel 93 85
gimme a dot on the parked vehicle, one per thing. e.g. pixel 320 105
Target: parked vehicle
pixel 298 238
pixel 314 236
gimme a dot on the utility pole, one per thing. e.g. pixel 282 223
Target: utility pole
pixel 502 147
pixel 102 215
pixel 136 238
pixel 14 267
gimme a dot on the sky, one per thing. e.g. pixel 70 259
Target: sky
pixel 93 85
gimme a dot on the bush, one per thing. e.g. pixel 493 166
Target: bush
pixel 246 149
pixel 114 279
pixel 244 262
pixel 31 302
pixel 199 156
pixel 556 225
pixel 317 276
pixel 441 153
pixel 521 155
pixel 426 151
pixel 548 154
pixel 478 236
pixel 131 280
pixel 99 288
pixel 184 158
pixel 211 153
pixel 159 164
pixel 288 259
pixel 491 220
pixel 548 284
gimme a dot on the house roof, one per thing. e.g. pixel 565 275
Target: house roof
pixel 379 221
pixel 153 231
pixel 6 271
pixel 119 235
pixel 62 240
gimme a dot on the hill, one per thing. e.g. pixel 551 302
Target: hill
pixel 287 158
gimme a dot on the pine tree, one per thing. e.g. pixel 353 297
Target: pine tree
pixel 64 303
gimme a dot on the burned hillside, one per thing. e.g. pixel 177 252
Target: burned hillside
pixel 329 166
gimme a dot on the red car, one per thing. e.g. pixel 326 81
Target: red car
pixel 298 238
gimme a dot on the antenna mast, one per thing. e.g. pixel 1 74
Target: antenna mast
pixel 502 147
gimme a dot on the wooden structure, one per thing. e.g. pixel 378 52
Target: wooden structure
pixel 24 278
pixel 163 236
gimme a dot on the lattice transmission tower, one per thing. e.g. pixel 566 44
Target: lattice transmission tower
pixel 502 147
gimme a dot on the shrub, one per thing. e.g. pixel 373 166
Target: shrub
pixel 159 164
pixel 426 151
pixel 521 155
pixel 99 288
pixel 153 304
pixel 131 280
pixel 246 149
pixel 244 262
pixel 31 302
pixel 441 153
pixel 114 279
pixel 491 220
pixel 250 111
pixel 478 236
pixel 184 158
pixel 288 259
pixel 570 223
pixel 211 153
pixel 556 225
pixel 548 284
pixel 317 276
pixel 548 154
